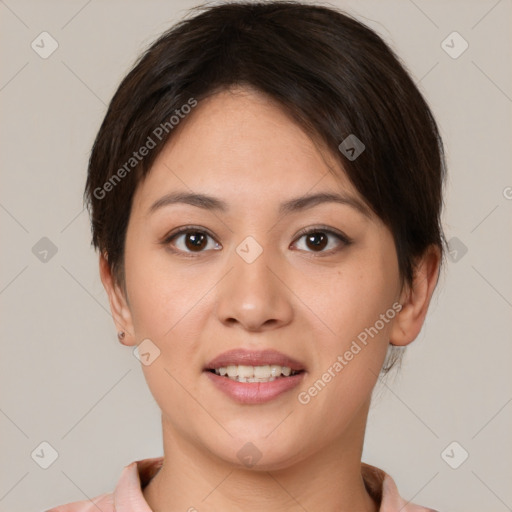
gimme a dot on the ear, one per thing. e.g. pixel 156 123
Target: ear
pixel 118 303
pixel 415 298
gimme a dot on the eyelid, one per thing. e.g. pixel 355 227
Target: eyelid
pixel 325 229
pixel 185 229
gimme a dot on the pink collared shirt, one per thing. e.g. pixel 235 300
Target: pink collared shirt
pixel 128 497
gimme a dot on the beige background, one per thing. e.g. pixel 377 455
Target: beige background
pixel 66 380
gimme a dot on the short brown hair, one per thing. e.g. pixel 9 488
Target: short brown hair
pixel 331 73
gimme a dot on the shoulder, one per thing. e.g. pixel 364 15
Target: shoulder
pixel 103 502
pixel 384 491
pixel 127 494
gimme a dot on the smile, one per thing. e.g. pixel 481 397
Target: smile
pixel 263 373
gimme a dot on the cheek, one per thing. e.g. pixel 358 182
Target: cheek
pixel 161 297
pixel 348 301
pixel 354 309
pixel 165 308
pixel 347 364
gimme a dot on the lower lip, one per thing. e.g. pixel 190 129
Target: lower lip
pixel 254 392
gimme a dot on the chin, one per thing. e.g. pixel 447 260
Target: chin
pixel 260 452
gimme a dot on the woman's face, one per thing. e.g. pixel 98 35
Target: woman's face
pixel 245 277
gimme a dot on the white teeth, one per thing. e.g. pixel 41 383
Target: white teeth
pixel 286 371
pixel 232 371
pixel 264 373
pixel 275 370
pixel 245 371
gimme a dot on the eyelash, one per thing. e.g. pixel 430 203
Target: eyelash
pixel 344 239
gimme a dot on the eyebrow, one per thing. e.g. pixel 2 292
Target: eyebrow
pixel 297 204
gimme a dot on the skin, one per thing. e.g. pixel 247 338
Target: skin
pixel 242 148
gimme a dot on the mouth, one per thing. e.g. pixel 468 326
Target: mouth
pixel 260 373
pixel 245 365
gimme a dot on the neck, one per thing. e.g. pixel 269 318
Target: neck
pixel 329 480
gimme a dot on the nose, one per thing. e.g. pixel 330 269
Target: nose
pixel 254 295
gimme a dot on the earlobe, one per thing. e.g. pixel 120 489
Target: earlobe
pixel 415 299
pixel 118 303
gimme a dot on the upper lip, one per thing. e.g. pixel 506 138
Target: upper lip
pixel 240 356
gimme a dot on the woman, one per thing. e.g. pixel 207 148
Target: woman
pixel 265 193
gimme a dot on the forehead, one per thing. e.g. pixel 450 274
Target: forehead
pixel 241 145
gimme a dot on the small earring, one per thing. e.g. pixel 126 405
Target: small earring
pixel 121 335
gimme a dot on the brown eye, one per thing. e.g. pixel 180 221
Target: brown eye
pixel 317 239
pixel 195 240
pixel 189 241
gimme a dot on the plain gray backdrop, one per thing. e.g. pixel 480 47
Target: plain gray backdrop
pixel 66 381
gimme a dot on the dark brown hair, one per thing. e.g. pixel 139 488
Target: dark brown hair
pixel 332 74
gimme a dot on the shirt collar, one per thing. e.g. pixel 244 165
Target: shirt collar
pixel 128 495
